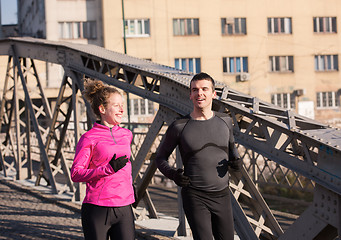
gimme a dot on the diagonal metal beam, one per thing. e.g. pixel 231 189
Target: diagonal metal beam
pixel 147 143
pixel 35 123
pixel 256 204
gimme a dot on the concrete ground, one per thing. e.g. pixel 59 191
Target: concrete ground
pixel 33 212
pixel 30 212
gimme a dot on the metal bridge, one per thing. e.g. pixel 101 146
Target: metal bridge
pixel 286 143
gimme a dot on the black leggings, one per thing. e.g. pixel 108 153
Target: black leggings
pixel 100 223
pixel 208 214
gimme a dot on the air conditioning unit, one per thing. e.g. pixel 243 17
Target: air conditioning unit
pixel 299 92
pixel 242 77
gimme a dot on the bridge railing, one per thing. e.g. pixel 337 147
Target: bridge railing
pixel 265 173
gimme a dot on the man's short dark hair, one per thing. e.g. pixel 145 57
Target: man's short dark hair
pixel 203 76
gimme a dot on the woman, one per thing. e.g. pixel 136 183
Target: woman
pixel 102 161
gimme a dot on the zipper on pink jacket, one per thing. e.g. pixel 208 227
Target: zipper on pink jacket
pixel 100 193
pixel 113 135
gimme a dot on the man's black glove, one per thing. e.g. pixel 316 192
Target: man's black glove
pixel 235 165
pixel 118 163
pixel 180 179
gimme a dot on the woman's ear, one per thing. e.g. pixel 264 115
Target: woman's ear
pixel 101 109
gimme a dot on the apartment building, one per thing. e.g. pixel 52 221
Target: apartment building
pixel 284 52
pixel 60 20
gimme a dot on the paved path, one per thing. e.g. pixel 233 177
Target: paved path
pixel 25 216
pixel 27 213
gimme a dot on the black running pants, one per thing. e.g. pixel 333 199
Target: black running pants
pixel 100 223
pixel 208 215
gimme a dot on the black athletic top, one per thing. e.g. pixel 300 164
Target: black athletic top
pixel 205 147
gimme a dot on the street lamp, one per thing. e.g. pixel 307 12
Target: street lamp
pixel 125 52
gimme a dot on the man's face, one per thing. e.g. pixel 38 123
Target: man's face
pixel 202 94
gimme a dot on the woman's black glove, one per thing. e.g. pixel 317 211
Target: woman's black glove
pixel 180 179
pixel 118 163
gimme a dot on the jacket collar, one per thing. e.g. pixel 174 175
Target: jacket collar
pixel 97 124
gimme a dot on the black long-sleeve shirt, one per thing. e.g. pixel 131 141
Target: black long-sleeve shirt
pixel 205 147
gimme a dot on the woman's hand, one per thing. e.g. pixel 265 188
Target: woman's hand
pixel 118 163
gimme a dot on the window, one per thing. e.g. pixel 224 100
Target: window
pixel 76 30
pixel 135 107
pixel 235 64
pixel 233 26
pixel 141 107
pixel 284 100
pixel 281 63
pixel 89 30
pixel 327 100
pixel 150 108
pixel 188 64
pixel 279 25
pixel 137 28
pixel 182 27
pixel 326 63
pixel 325 24
pixel 68 32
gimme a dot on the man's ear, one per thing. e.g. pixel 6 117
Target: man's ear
pixel 101 109
pixel 214 94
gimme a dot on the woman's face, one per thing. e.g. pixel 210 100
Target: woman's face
pixel 112 114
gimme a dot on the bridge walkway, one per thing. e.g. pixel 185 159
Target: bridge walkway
pixel 34 212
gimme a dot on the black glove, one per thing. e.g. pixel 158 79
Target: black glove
pixel 180 179
pixel 235 165
pixel 118 163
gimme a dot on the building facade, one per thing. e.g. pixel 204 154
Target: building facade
pixel 59 20
pixel 285 51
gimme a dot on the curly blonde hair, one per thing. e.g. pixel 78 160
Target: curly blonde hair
pixel 97 94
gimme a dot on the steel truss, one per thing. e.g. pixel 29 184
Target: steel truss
pixel 299 144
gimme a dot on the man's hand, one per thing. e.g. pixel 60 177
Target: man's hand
pixel 118 163
pixel 180 179
pixel 235 165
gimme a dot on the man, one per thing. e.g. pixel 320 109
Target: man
pixel 207 149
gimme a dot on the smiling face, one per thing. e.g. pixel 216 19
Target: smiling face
pixel 202 94
pixel 112 114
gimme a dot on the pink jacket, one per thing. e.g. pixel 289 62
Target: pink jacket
pixel 104 187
